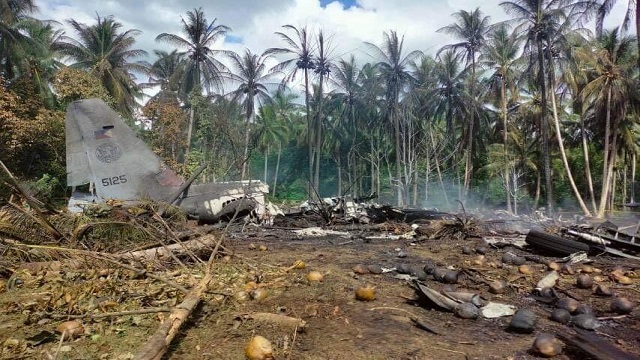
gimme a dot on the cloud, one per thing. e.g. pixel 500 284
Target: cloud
pixel 253 22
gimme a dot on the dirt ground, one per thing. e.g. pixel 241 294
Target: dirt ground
pixel 337 325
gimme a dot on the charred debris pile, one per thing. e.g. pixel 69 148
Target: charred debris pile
pixel 74 276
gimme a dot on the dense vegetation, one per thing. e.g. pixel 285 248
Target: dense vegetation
pixel 534 111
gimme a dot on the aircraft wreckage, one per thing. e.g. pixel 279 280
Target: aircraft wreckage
pixel 106 153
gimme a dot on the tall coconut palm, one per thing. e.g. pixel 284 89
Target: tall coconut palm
pixel 250 73
pixel 393 65
pixel 107 52
pixel 470 28
pixel 345 79
pixel 448 99
pixel 501 57
pixel 276 126
pixel 535 19
pixel 610 65
pixel 322 70
pixel 202 71
pixel 300 52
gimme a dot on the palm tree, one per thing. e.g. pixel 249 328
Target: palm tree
pixel 12 13
pixel 501 56
pixel 166 73
pixel 610 65
pixel 470 29
pixel 448 99
pixel 536 19
pixel 250 72
pixel 276 126
pixel 322 69
pixel 40 57
pixel 202 71
pixel 394 69
pixel 300 50
pixel 107 53
pixel 345 78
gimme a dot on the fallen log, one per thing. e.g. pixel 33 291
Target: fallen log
pixel 554 243
pixel 165 252
pixel 159 342
pixel 595 346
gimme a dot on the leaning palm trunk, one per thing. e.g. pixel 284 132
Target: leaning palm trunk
pixel 563 154
pixel 608 157
pixel 275 176
pixel 587 164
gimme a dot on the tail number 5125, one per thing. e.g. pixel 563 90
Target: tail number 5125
pixel 114 180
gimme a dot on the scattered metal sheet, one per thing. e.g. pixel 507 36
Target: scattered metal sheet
pixel 495 310
pixel 318 232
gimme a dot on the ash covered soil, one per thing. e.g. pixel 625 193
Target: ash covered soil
pixel 336 325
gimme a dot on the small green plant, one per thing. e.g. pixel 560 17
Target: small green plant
pixel 46 186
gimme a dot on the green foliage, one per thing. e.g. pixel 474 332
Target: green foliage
pixel 47 186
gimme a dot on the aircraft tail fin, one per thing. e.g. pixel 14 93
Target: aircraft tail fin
pixel 104 150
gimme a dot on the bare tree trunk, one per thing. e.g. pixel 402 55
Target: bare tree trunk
pixel 563 154
pixel 189 133
pixel 587 164
pixel 468 167
pixel 544 126
pixel 339 162
pixel 444 190
pixel 505 138
pixel 310 191
pixel 606 176
pixel 266 164
pixel 318 142
pixel 633 178
pixel 275 177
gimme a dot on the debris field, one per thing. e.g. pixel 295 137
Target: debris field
pixel 125 283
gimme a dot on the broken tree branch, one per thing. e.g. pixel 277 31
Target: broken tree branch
pixel 159 342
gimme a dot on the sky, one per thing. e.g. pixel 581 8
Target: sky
pixel 347 23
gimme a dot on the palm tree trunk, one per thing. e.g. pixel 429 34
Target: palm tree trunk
pixel 247 133
pixel 444 190
pixel 396 125
pixel 587 164
pixel 352 154
pixel 339 163
pixel 563 154
pixel 189 133
pixel 318 143
pixel 310 189
pixel 468 167
pixel 604 192
pixel 544 125
pixel 505 137
pixel 633 177
pixel 266 164
pixel 275 176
